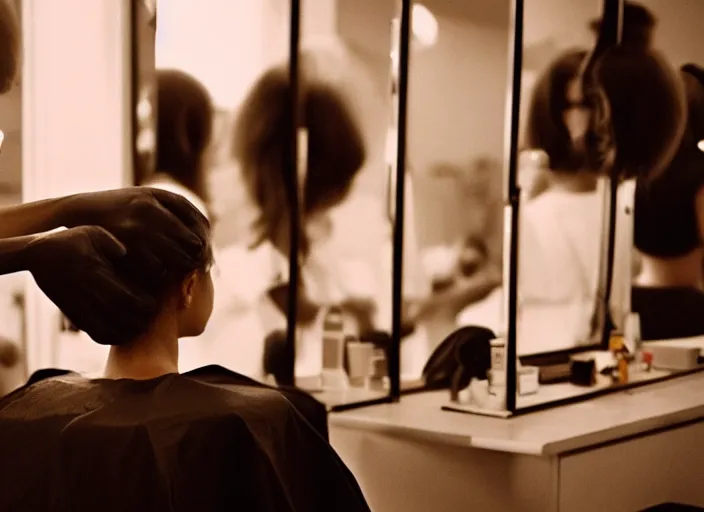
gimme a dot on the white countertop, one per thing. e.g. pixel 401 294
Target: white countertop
pixel 548 432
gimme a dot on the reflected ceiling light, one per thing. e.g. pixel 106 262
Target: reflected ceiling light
pixel 425 26
pixel 700 145
pixel 146 141
pixel 2 138
pixel 424 31
pixel 144 109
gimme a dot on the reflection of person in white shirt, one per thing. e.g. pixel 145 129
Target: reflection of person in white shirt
pixel 561 220
pixel 331 154
pixel 560 228
pixel 185 116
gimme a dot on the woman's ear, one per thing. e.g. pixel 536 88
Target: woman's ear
pixel 188 290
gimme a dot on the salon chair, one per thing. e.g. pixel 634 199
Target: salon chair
pixel 207 440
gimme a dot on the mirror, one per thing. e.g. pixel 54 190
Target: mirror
pixel 346 269
pixel 454 225
pixel 13 370
pixel 340 170
pixel 564 212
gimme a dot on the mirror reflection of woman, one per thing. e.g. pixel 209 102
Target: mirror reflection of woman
pixel 560 220
pixel 560 231
pixel 332 152
pixel 668 293
pixel 184 126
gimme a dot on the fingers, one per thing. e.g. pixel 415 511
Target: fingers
pixel 177 205
pixel 107 244
pixel 172 221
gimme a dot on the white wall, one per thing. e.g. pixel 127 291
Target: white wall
pixel 227 44
pixel 679 32
pixel 75 119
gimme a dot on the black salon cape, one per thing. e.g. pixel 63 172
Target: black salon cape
pixel 208 440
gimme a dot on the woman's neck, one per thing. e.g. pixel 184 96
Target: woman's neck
pixel 684 271
pixel 150 356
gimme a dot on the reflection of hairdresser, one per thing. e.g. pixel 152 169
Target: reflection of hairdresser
pixel 334 154
pixel 558 119
pixel 184 126
pixel 560 229
pixel 668 231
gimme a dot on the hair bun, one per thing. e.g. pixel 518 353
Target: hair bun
pixel 638 26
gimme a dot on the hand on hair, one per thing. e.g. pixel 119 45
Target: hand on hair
pixel 136 214
pixel 75 268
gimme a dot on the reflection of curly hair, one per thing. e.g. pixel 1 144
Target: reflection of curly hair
pixel 545 128
pixel 335 154
pixel 184 126
pixel 643 100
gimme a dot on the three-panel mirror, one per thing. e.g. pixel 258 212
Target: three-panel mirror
pixel 213 121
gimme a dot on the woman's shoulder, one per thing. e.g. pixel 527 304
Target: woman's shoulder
pixel 276 400
pixel 205 395
pixel 45 392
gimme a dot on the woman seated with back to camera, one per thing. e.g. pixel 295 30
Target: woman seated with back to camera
pixel 668 231
pixel 144 437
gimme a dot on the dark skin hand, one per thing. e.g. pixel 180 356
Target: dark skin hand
pixel 135 214
pixel 87 253
pixel 80 279
pixel 130 214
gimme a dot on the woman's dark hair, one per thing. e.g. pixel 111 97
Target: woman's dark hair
pixel 666 223
pixel 184 128
pixel 642 101
pixel 546 129
pixel 159 287
pixel 647 109
pixel 10 40
pixel 335 152
pixel 638 25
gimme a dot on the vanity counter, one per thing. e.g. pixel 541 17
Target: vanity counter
pixel 620 452
pixel 548 432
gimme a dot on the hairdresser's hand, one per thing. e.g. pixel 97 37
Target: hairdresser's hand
pixel 135 214
pixel 75 268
